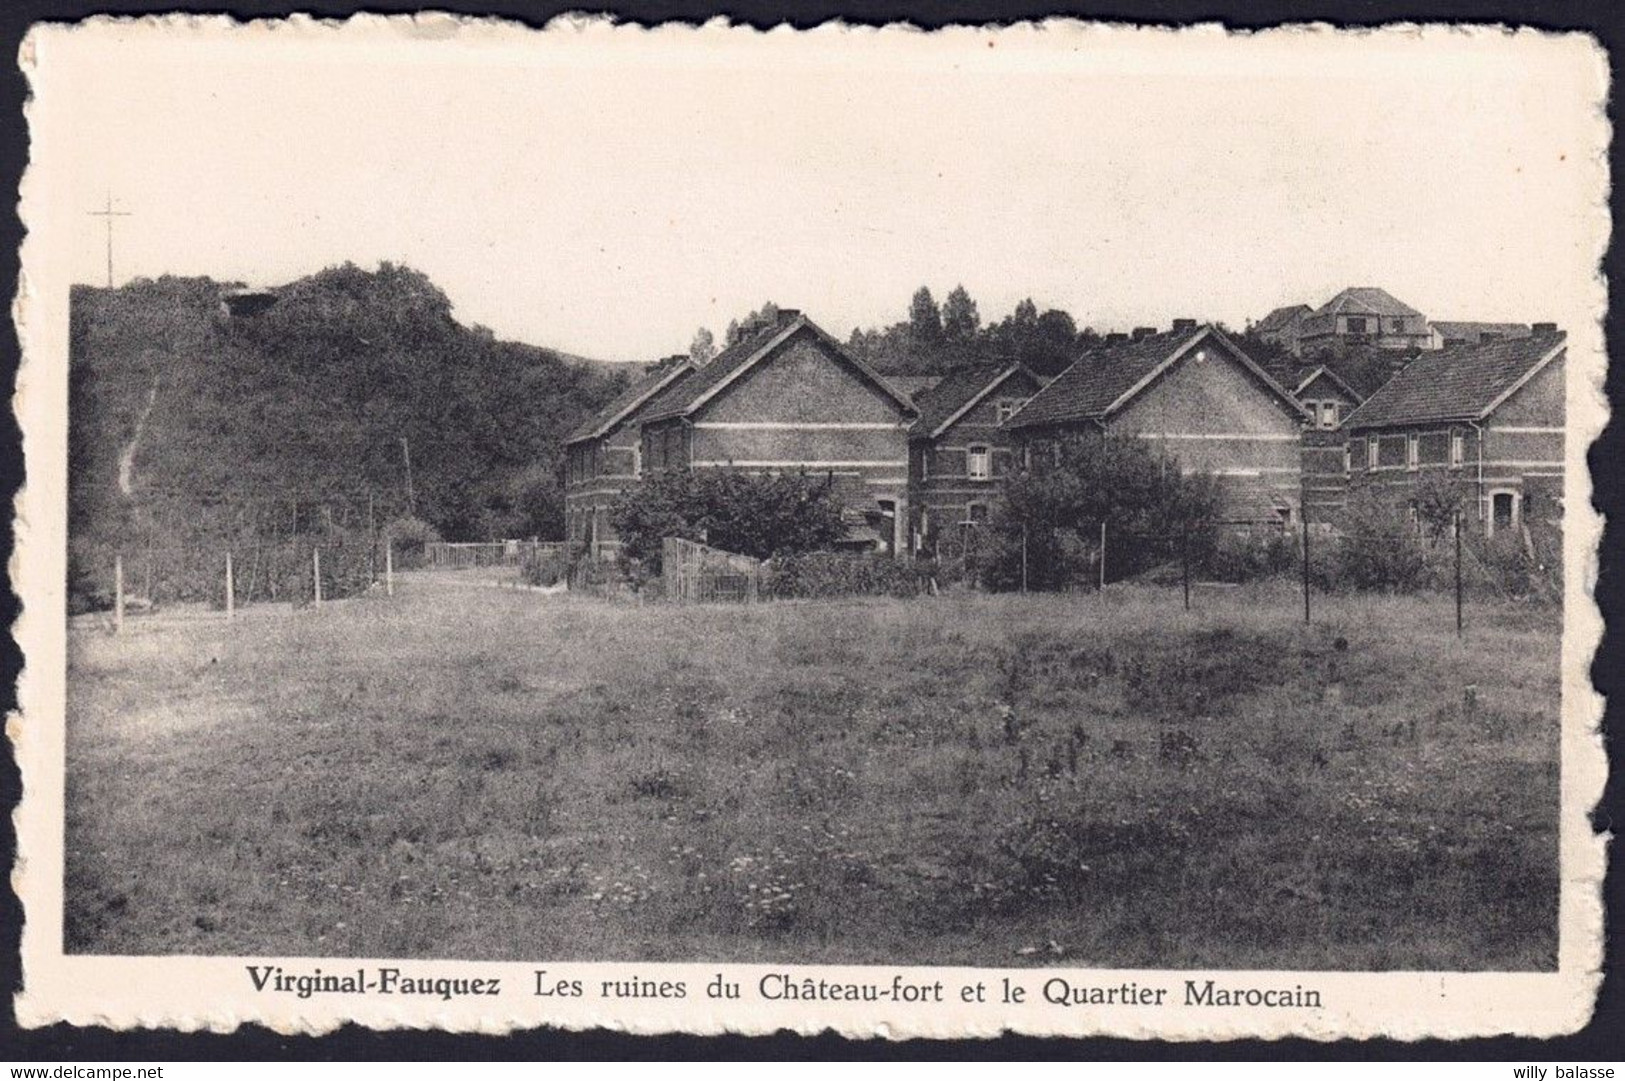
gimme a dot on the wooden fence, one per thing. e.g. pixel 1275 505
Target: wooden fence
pixel 696 572
pixel 448 556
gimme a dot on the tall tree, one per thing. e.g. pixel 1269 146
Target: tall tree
pixel 960 320
pixel 1026 313
pixel 924 317
pixel 703 348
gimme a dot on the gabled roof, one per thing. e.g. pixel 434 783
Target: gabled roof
pixel 627 402
pixel 684 398
pixel 1108 377
pixel 1365 300
pixel 957 394
pixel 1465 382
pixel 1331 376
pixel 913 385
pixel 1281 317
pixel 1472 333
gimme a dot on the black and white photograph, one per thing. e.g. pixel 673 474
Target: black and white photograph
pixel 824 510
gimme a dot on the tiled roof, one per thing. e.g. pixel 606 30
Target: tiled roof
pixel 1456 383
pixel 1281 317
pixel 688 395
pixel 1472 333
pixel 645 386
pixel 939 404
pixel 913 385
pixel 1365 300
pixel 1091 387
pixel 1325 372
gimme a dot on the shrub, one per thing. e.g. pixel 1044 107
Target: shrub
pixel 756 515
pixel 409 536
pixel 1248 555
pixel 1379 549
pixel 549 566
pixel 840 574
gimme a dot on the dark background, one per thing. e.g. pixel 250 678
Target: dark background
pixel 1603 1039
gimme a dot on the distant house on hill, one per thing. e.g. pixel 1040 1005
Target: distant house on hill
pixel 785 398
pixel 1281 326
pixel 1194 395
pixel 1363 315
pixel 1491 415
pixel 603 457
pixel 1454 333
pixel 958 453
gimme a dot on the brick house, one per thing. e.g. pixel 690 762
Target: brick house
pixel 1328 399
pixel 1194 395
pixel 957 450
pixel 1491 416
pixel 1363 315
pixel 787 397
pixel 603 457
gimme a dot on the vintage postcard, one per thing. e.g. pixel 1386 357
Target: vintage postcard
pixel 1063 529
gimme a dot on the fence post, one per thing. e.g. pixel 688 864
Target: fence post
pixel 1185 567
pixel 1103 553
pixel 118 593
pixel 1458 572
pixel 1306 568
pixel 1024 557
pixel 231 590
pixel 389 567
pixel 316 572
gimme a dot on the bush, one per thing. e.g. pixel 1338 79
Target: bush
pixel 840 574
pixel 549 566
pixel 1246 556
pixel 752 514
pixel 409 537
pixel 1379 549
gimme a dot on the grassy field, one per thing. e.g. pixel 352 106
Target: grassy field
pixel 1000 780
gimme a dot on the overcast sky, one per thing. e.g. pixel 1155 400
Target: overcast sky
pixel 607 192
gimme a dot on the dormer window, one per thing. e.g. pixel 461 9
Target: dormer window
pixel 1007 408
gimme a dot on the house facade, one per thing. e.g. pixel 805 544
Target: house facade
pixel 1363 315
pixel 603 457
pixel 1194 396
pixel 788 398
pixel 959 451
pixel 1489 417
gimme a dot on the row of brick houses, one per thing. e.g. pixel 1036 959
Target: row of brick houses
pixel 911 459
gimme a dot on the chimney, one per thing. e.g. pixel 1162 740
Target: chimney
pixel 1116 337
pixel 1543 330
pixel 1143 332
pixel 1181 326
pixel 788 316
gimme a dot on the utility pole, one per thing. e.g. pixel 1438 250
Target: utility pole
pixel 1457 519
pixel 107 215
pixel 1103 553
pixel 1306 568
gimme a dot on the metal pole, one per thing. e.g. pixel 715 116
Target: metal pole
pixel 1458 573
pixel 231 590
pixel 389 567
pixel 316 573
pixel 1306 569
pixel 1103 553
pixel 118 594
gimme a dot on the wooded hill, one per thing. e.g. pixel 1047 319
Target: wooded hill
pixel 295 410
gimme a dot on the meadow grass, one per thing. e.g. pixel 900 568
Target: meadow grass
pixel 1099 780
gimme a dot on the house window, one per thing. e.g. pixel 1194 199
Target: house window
pixel 1458 449
pixel 1348 460
pixel 979 463
pixel 1356 324
pixel 1328 414
pixel 925 463
pixel 976 513
pixel 1413 451
pixel 637 461
pixel 1373 449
